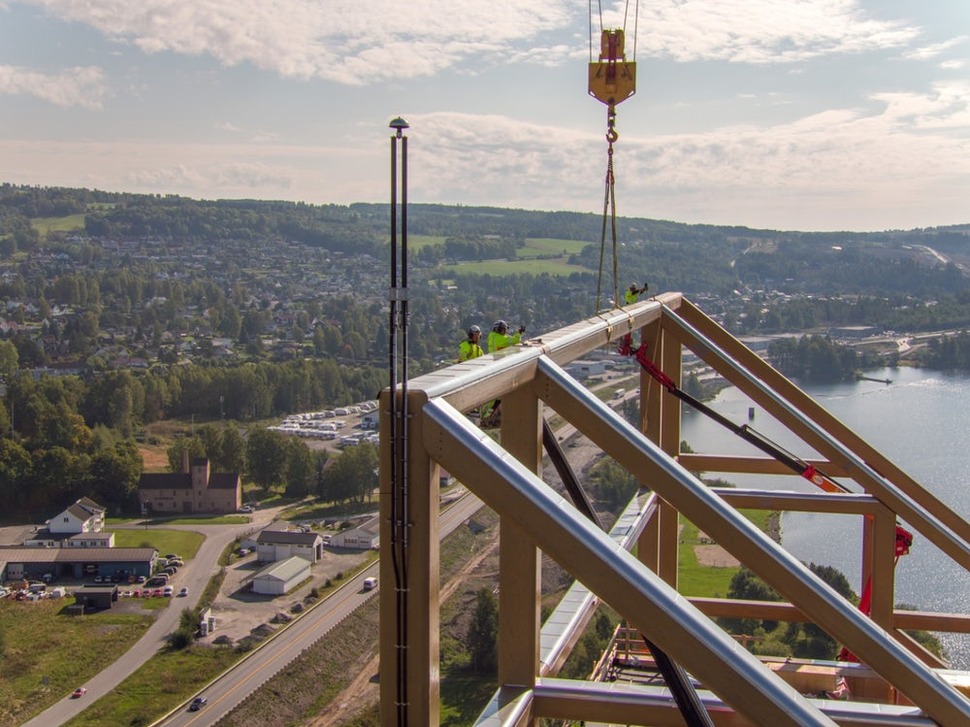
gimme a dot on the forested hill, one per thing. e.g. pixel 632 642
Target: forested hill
pixel 121 310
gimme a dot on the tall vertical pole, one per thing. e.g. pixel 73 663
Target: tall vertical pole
pixel 398 420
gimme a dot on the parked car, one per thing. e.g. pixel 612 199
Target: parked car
pixel 183 592
pixel 173 556
pixel 79 692
pixel 168 591
pixel 246 509
pixel 198 703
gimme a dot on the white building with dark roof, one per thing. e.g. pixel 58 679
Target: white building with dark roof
pixel 277 545
pixel 44 538
pixel 84 516
pixel 364 537
pixel 76 563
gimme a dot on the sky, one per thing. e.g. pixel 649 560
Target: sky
pixel 779 114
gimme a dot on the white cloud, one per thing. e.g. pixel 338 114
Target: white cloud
pixel 849 168
pixel 764 31
pixel 896 165
pixel 353 42
pixel 933 50
pixel 359 42
pixel 947 107
pixel 78 86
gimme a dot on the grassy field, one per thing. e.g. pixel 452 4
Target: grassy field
pixel 182 542
pixel 58 224
pixel 536 246
pixel 556 266
pixel 169 678
pixel 416 242
pixel 695 579
pixel 140 700
pixel 47 654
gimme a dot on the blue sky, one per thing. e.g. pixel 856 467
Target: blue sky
pixel 787 114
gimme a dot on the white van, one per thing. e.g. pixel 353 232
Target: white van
pixel 370 583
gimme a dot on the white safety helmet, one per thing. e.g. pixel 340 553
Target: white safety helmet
pixel 473 329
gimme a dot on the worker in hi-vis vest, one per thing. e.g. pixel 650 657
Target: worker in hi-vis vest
pixel 470 348
pixel 500 338
pixel 633 292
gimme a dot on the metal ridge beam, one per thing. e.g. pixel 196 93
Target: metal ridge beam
pixel 470 383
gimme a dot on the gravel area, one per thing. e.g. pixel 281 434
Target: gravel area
pixel 238 611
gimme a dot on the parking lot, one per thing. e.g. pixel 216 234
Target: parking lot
pixel 333 429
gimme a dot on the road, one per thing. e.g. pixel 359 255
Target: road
pixel 230 689
pixel 195 575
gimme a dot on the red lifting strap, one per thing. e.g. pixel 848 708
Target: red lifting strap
pixel 904 539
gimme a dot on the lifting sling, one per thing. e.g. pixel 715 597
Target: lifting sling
pixel 612 80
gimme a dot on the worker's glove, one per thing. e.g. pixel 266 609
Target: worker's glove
pixel 521 329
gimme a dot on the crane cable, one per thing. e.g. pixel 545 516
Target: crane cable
pixel 609 211
pixel 612 79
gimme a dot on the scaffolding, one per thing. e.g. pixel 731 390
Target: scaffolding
pixel 735 686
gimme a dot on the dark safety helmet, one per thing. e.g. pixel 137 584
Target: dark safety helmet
pixel 500 326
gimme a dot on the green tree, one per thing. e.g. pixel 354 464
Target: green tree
pixel 233 449
pixel 191 445
pixel 300 469
pixel 9 359
pixel 184 635
pixel 352 475
pixel 16 467
pixel 612 484
pixel 115 473
pixel 483 633
pixel 266 457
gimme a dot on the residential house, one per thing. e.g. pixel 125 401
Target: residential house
pixel 84 516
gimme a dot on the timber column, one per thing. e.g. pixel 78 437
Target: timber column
pixel 519 561
pixel 409 568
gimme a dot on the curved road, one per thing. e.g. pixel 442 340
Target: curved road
pixel 230 689
pixel 195 575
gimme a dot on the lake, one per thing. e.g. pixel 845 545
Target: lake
pixel 921 422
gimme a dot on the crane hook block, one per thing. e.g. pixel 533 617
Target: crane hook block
pixel 612 79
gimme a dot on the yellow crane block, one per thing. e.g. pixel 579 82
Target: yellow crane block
pixel 612 79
